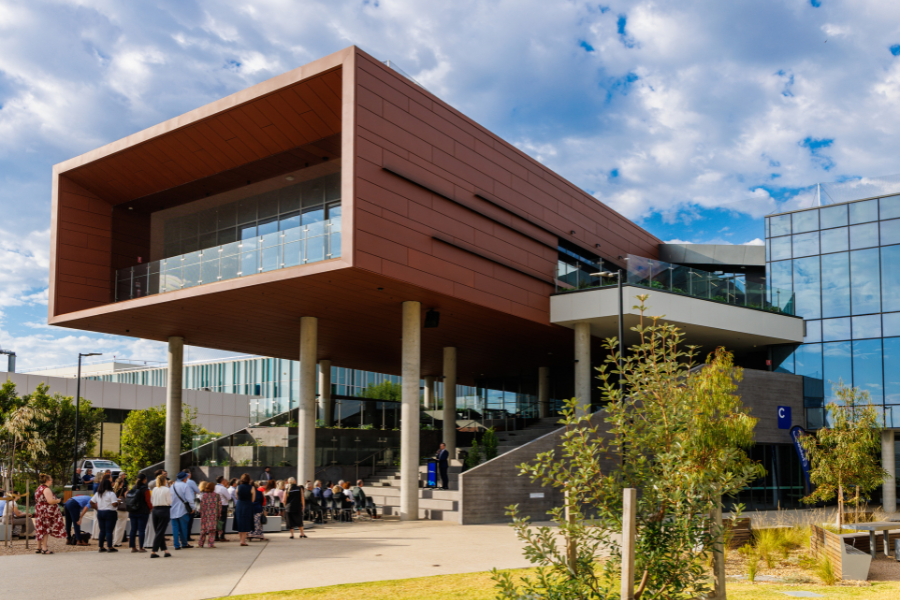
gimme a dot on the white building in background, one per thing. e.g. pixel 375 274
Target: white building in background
pixel 216 411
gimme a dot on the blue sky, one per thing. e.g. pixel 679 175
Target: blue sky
pixel 693 118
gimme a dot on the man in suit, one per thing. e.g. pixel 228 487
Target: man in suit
pixel 266 475
pixel 443 458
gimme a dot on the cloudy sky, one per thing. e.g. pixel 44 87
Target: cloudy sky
pixel 694 118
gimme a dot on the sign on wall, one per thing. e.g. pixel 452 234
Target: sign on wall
pixel 784 417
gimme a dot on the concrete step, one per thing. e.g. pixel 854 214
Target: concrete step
pixel 426 494
pixel 423 503
pixel 427 514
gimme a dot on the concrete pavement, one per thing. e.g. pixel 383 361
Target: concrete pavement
pixel 333 554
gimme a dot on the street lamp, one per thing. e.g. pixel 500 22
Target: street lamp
pixel 77 405
pixel 618 276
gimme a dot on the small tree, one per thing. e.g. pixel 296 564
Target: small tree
pixel 490 443
pixel 143 441
pixel 19 435
pixel 848 452
pixel 386 390
pixel 677 435
pixel 57 429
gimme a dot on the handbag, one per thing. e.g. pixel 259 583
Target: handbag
pixel 263 518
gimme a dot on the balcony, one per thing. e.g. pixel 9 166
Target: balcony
pixel 687 281
pixel 292 247
pixel 706 322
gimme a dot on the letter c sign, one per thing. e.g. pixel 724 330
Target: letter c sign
pixel 784 417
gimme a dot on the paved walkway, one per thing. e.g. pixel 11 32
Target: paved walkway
pixel 333 554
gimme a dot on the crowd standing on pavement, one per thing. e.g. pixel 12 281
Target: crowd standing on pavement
pixel 151 507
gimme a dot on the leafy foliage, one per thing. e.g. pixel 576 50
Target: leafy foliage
pixel 473 458
pixel 143 441
pixel 386 390
pixel 46 429
pixel 490 443
pixel 681 434
pixel 58 431
pixel 848 452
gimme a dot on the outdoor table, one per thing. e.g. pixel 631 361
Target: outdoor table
pixel 884 526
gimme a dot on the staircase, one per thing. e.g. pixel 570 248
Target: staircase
pixel 508 440
pixel 434 505
pixel 443 505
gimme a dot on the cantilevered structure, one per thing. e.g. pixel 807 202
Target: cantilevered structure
pixel 322 214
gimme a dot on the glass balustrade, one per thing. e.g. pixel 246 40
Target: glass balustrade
pixel 677 279
pixel 277 250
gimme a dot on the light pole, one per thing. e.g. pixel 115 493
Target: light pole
pixel 77 406
pixel 618 276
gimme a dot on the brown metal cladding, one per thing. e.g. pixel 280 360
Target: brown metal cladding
pixel 465 223
pixel 438 197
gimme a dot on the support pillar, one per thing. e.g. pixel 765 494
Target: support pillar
pixel 409 411
pixel 889 489
pixel 306 417
pixel 174 386
pixel 326 402
pixel 582 365
pixel 544 392
pixel 429 393
pixel 450 400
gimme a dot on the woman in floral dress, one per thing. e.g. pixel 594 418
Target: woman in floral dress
pixel 209 513
pixel 47 518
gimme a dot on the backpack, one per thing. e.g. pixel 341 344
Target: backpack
pixel 135 500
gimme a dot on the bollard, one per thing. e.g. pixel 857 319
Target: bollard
pixel 629 529
pixel 897 549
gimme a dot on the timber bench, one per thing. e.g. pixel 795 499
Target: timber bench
pixel 849 563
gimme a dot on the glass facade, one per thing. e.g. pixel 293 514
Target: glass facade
pixel 839 262
pixel 295 225
pixel 277 384
pixel 728 288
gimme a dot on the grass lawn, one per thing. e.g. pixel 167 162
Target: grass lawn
pixel 479 586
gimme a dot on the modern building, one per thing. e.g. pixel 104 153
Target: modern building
pixel 216 411
pixel 839 262
pixel 340 215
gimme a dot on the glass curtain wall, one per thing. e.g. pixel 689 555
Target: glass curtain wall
pixel 283 228
pixel 840 262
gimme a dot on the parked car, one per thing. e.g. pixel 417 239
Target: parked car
pixel 99 465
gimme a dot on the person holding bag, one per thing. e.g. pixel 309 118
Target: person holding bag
pixel 180 511
pixel 120 488
pixel 138 504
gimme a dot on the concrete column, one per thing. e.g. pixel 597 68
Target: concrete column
pixel 429 393
pixel 306 418
pixel 326 402
pixel 174 386
pixel 450 400
pixel 409 411
pixel 544 392
pixel 583 364
pixel 889 489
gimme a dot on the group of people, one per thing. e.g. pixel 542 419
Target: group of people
pixel 161 502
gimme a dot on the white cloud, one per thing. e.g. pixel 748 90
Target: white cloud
pixel 681 113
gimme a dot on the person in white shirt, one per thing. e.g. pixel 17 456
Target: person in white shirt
pixel 105 501
pixel 161 499
pixel 224 498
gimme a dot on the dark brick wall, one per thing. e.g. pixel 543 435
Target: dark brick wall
pixel 489 488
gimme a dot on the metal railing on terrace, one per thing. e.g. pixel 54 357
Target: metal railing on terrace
pixel 278 250
pixel 688 281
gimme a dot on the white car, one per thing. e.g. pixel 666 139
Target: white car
pixel 98 466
